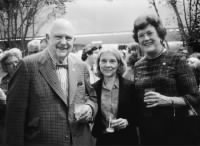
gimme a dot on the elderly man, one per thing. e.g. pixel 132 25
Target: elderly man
pixel 50 99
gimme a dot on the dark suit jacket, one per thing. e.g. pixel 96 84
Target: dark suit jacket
pixel 37 110
pixel 129 107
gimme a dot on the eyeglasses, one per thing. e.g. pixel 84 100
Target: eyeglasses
pixel 11 63
pixel 33 52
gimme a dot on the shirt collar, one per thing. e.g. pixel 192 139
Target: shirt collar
pixel 115 85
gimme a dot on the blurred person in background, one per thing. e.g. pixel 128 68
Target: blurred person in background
pixel 33 46
pixel 123 50
pixel 43 44
pixel 9 62
pixel 2 114
pixel 1 51
pixel 118 103
pixel 134 54
pixel 167 82
pixel 195 54
pixel 194 62
pixel 89 56
pixel 2 73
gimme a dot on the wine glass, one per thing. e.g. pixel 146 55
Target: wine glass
pixel 77 110
pixel 110 129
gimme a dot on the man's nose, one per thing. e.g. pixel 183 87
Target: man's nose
pixel 15 64
pixel 63 40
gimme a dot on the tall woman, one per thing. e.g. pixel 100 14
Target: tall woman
pixel 168 83
pixel 119 107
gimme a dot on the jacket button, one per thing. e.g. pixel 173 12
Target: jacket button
pixel 66 136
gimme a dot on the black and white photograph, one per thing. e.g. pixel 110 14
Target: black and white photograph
pixel 99 72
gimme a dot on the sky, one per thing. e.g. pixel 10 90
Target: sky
pixel 105 16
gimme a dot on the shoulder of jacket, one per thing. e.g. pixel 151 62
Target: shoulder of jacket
pixel 32 58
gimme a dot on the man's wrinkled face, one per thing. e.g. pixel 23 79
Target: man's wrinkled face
pixel 61 40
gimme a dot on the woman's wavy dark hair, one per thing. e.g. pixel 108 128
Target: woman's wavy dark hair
pixel 143 21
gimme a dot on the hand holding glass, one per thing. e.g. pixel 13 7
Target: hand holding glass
pixel 77 111
pixel 148 90
pixel 110 129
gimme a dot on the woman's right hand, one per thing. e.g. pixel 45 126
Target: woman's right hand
pixel 153 99
pixel 119 123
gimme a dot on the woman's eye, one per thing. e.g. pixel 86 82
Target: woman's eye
pixel 103 61
pixel 112 61
pixel 141 35
pixel 149 33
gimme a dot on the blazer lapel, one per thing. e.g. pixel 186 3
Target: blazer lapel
pixel 48 71
pixel 121 94
pixel 73 71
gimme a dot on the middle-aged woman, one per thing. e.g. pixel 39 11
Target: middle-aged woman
pixel 194 62
pixel 168 83
pixel 119 107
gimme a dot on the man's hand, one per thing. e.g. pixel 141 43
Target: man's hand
pixel 84 113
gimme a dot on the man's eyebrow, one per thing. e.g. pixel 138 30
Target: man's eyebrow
pixel 60 35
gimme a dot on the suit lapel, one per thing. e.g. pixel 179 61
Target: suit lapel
pixel 48 71
pixel 73 71
pixel 121 94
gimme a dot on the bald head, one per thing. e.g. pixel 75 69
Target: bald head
pixel 61 39
pixel 62 25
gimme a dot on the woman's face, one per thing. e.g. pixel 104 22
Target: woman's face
pixel 148 39
pixel 11 63
pixel 108 64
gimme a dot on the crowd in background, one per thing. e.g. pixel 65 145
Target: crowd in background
pixel 164 77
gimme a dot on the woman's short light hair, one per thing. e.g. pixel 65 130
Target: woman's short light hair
pixel 121 68
pixel 12 52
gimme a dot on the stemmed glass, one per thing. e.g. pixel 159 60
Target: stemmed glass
pixel 77 110
pixel 110 129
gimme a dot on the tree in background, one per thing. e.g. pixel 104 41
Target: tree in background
pixel 187 13
pixel 17 18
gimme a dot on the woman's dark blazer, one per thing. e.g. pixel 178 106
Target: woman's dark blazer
pixel 129 107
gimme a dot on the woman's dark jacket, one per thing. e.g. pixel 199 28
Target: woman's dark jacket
pixel 129 107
